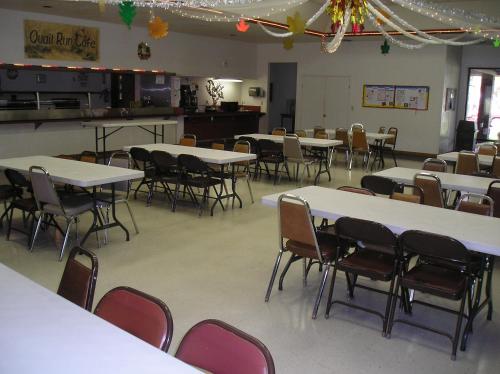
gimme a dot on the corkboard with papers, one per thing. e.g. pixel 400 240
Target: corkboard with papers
pixel 396 97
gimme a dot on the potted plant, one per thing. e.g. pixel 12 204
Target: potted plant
pixel 214 90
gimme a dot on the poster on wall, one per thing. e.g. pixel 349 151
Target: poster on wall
pixel 378 96
pixel 57 41
pixel 412 97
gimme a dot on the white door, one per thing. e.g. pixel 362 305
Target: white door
pixel 337 102
pixel 312 103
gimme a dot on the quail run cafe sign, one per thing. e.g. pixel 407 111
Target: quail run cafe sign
pixel 57 41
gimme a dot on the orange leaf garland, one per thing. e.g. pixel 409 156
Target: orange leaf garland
pixel 158 28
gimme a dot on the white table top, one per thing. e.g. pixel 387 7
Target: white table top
pixel 449 181
pixel 76 173
pixel 129 123
pixel 213 156
pixel 453 157
pixel 476 232
pixel 369 135
pixel 44 333
pixel 309 142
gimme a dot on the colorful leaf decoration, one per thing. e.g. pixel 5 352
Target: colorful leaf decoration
pixel 385 47
pixel 102 6
pixel 288 43
pixel 242 26
pixel 296 24
pixel 158 28
pixel 496 43
pixel 127 12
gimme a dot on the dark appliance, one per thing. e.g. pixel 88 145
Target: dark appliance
pixel 229 106
pixel 122 90
pixel 465 139
pixel 188 101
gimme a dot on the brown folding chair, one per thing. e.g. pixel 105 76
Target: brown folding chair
pixel 78 281
pixel 373 257
pixel 298 236
pixel 434 164
pixel 218 146
pixel 390 144
pixel 487 149
pixel 495 168
pixel 431 185
pixel 443 270
pixel 359 145
pixel 494 193
pixel 242 168
pixel 138 313
pixel 292 152
pixel 301 133
pixel 218 347
pixel 467 163
pixel 188 140
pixel 318 129
pixel 414 195
pixel 343 135
pixel 281 131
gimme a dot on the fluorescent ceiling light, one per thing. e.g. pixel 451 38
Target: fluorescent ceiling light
pixel 229 80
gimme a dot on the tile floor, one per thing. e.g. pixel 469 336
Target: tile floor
pixel 219 267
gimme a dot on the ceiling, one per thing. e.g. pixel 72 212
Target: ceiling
pixel 86 10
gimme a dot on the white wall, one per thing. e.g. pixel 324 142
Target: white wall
pixel 364 64
pixel 183 54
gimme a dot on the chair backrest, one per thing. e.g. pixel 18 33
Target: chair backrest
pixel 17 180
pixel 359 140
pixel 88 156
pixel 431 185
pixel 188 140
pixel 434 164
pixel 495 168
pixel 192 164
pixel 318 129
pixel 361 191
pixel 138 313
pixel 356 127
pixel 487 149
pixel 266 146
pixel 392 131
pixel 291 148
pixel 295 220
pixel 415 195
pixel 121 159
pixel 301 133
pixel 242 146
pixel 381 130
pixel 78 281
pixel 164 162
pixel 43 188
pixel 494 193
pixel 342 134
pixel 434 246
pixel 484 206
pixel 140 156
pixel 367 234
pixel 321 135
pixel 379 185
pixel 218 146
pixel 217 347
pixel 281 131
pixel 467 163
pixel 254 144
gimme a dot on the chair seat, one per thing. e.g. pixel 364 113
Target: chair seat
pixel 327 247
pixel 73 205
pixel 201 182
pixel 271 158
pixel 371 264
pixel 436 280
pixel 28 205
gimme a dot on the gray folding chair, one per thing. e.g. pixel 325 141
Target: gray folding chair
pixel 292 152
pixel 121 159
pixel 49 203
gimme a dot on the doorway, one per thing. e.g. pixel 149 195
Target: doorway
pixel 483 102
pixel 281 98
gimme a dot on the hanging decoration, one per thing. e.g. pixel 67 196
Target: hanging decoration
pixel 143 51
pixel 102 6
pixel 242 26
pixel 337 9
pixel 496 43
pixel 385 47
pixel 158 28
pixel 288 43
pixel 127 12
pixel 296 25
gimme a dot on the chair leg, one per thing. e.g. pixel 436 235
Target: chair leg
pixel 330 293
pixel 132 217
pixel 250 188
pixel 392 309
pixel 388 304
pixel 285 270
pixel 38 224
pixel 321 289
pixel 489 294
pixel 273 275
pixel 394 157
pixel 456 337
pixel 66 236
pixel 9 223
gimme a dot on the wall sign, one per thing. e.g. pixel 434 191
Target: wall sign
pixel 57 41
pixel 396 97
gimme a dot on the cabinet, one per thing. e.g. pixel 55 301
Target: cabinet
pixel 324 101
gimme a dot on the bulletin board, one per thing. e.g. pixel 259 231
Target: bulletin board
pixel 378 96
pixel 396 97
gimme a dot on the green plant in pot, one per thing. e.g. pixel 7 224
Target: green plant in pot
pixel 215 91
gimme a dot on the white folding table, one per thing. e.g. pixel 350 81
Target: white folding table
pixel 449 181
pixel 369 135
pixel 45 333
pixel 327 144
pixel 213 156
pixel 452 157
pixel 117 125
pixel 80 174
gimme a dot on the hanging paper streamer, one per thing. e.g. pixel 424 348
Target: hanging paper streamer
pixel 296 24
pixel 127 12
pixel 242 26
pixel 288 43
pixel 385 47
pixel 158 28
pixel 338 8
pixel 102 6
